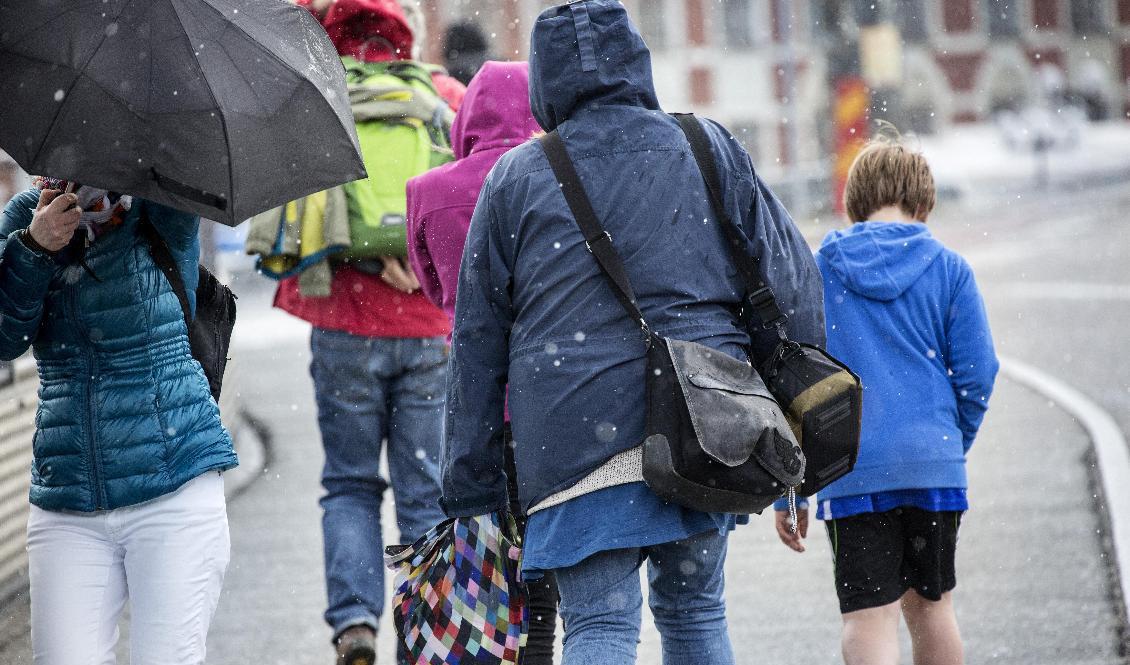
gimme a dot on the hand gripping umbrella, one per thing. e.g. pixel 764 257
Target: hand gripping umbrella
pixel 225 108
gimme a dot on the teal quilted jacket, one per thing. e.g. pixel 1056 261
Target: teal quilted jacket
pixel 125 414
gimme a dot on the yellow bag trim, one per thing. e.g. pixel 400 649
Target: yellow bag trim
pixel 829 388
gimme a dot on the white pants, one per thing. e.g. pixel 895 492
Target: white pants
pixel 167 556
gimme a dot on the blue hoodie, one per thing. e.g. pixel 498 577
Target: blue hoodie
pixel 532 307
pixel 904 312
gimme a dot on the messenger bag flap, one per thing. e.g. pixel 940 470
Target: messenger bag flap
pixel 730 407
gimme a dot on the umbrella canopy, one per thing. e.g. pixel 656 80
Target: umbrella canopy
pixel 225 108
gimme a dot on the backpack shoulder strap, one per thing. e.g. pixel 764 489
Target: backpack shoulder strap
pixel 411 70
pixel 432 68
pixel 760 295
pixel 597 240
pixel 163 257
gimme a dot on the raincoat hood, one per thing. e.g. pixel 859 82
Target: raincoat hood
pixel 495 112
pixel 880 260
pixel 368 30
pixel 587 54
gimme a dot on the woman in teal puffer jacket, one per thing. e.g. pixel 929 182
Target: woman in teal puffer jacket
pixel 127 497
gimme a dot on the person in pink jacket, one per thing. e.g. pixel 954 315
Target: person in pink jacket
pixel 495 117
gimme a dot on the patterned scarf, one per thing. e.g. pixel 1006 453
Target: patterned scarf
pixel 101 209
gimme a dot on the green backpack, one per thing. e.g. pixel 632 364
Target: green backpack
pixel 404 130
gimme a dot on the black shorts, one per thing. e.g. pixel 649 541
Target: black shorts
pixel 880 556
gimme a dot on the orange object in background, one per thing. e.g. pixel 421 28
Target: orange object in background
pixel 850 116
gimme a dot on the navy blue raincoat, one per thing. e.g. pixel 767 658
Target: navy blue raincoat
pixel 533 309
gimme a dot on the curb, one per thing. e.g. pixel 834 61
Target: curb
pixel 1112 458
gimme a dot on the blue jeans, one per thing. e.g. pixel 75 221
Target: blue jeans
pixel 370 390
pixel 601 602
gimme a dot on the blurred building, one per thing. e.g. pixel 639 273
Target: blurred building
pixel 966 59
pixel 764 67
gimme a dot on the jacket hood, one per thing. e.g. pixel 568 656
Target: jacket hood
pixel 587 54
pixel 368 30
pixel 496 110
pixel 880 260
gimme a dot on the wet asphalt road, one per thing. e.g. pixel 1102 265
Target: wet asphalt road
pixel 1033 585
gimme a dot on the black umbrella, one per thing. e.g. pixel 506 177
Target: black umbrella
pixel 225 108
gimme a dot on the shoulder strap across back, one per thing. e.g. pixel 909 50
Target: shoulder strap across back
pixel 759 295
pixel 159 250
pixel 597 240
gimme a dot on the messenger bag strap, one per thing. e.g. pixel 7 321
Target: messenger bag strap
pixel 159 250
pixel 597 240
pixel 759 294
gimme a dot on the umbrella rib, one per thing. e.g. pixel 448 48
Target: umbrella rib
pixel 28 34
pixel 149 71
pixel 269 52
pixel 212 93
pixel 240 72
pixel 303 80
pixel 83 75
pixel 79 73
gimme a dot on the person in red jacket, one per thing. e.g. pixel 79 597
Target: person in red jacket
pixel 379 358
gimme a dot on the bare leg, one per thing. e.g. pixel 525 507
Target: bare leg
pixel 933 629
pixel 871 636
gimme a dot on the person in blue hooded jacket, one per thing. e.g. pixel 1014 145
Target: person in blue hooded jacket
pixel 905 313
pixel 533 310
pixel 126 493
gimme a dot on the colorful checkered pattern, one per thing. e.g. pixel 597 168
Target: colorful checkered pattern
pixel 459 599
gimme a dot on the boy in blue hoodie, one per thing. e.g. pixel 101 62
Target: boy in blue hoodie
pixel 904 312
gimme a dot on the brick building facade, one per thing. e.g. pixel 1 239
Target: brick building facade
pixel 961 60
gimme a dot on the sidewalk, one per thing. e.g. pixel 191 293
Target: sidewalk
pixel 1033 583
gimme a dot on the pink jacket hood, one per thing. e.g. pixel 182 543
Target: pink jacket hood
pixel 495 117
pixel 496 110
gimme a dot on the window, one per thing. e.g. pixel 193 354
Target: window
pixel 1087 17
pixel 957 15
pixel 651 23
pixel 1045 14
pixel 911 17
pixel 825 20
pixel 701 85
pixel 1003 17
pixel 738 26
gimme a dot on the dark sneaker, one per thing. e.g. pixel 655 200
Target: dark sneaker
pixel 357 646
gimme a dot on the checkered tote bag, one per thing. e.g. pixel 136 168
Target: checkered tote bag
pixel 458 598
